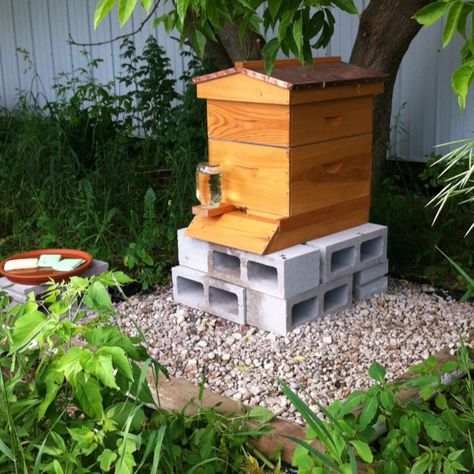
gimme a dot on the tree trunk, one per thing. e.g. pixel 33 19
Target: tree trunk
pixel 385 32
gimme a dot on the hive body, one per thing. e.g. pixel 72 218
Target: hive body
pixel 295 150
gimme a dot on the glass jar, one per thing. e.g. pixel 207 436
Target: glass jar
pixel 209 184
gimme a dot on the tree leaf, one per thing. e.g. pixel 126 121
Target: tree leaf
pixel 454 14
pixel 125 9
pixel 53 380
pixel 368 413
pixel 182 9
pixel 460 82
pixel 106 459
pixel 346 5
pixel 102 10
pixel 199 41
pixel 273 7
pixel 298 36
pixel 387 399
pixel 363 451
pixel 377 372
pixel 431 13
pixel 70 362
pixel 270 51
pixel 146 4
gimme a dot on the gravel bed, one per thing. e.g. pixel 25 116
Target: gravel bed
pixel 328 357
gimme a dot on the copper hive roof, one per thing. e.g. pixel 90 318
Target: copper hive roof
pixel 297 76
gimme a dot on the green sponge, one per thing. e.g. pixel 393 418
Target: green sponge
pixel 47 260
pixel 68 264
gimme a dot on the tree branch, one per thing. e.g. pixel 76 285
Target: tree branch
pixel 72 42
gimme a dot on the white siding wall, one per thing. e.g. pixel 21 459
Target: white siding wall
pixel 42 27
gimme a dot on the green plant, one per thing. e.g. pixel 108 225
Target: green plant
pixel 432 433
pixel 75 395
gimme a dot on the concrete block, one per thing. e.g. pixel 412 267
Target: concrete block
pixel 371 288
pixel 200 291
pixel 282 274
pixel 336 295
pixel 351 250
pixel 193 253
pixel 371 273
pixel 279 315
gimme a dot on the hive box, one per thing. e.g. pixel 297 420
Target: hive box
pixel 295 150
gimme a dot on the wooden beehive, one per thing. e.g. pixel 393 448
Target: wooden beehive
pixel 296 151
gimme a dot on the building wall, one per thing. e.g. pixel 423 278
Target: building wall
pixel 427 108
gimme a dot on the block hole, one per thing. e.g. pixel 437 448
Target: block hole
pixel 225 263
pixel 336 298
pixel 224 300
pixel 343 258
pixel 304 311
pixel 193 290
pixel 372 248
pixel 263 274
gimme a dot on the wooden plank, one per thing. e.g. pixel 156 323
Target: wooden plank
pixel 212 211
pixel 259 63
pixel 302 96
pixel 321 121
pixel 255 177
pixel 329 173
pixel 266 124
pixel 242 88
pixel 234 229
pixel 175 394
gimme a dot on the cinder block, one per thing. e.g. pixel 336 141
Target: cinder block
pixel 193 253
pixel 336 295
pixel 200 291
pixel 371 288
pixel 282 274
pixel 279 315
pixel 351 250
pixel 371 273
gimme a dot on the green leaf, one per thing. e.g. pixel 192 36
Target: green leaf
pixel 411 445
pixel 125 9
pixel 106 459
pixel 390 467
pixel 97 298
pixel 354 400
pixel 182 9
pixel 53 380
pixel 121 412
pixel 460 82
pixel 421 465
pixel 6 451
pixel 363 451
pixel 298 36
pixel 57 467
pixel 368 413
pixel 454 14
pixel 387 399
pixel 346 5
pixel 261 415
pixel 431 13
pixel 102 10
pixel 273 7
pixel 88 395
pixel 199 41
pixel 441 402
pixel 377 372
pixel 146 4
pixel 270 51
pixel 70 362
pixel 100 366
pixel 119 359
pixel 27 328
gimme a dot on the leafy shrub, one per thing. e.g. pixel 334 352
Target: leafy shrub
pixel 74 171
pixel 429 433
pixel 74 396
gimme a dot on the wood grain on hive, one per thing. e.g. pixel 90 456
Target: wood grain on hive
pixel 295 149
